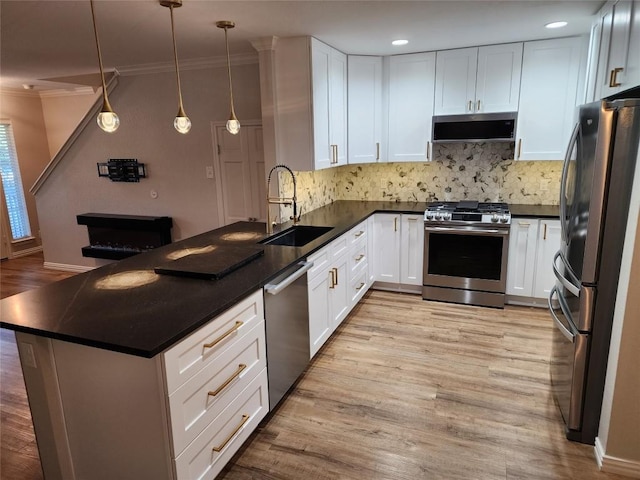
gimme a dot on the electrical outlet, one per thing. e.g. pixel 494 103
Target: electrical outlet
pixel 209 171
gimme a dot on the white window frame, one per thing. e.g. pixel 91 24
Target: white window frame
pixel 17 213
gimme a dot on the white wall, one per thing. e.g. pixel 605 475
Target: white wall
pixel 146 105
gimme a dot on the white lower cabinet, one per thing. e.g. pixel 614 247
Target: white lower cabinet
pixel 532 244
pixel 337 281
pixel 398 251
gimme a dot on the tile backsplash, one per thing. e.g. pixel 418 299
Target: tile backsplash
pixel 474 171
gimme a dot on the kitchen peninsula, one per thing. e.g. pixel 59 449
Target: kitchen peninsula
pixel 112 325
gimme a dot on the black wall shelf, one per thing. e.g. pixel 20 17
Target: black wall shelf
pixel 114 236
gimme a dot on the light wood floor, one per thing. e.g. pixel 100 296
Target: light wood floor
pixel 405 389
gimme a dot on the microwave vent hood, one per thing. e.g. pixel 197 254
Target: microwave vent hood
pixel 479 127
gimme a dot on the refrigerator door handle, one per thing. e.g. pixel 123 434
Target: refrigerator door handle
pixel 568 334
pixel 563 183
pixel 575 290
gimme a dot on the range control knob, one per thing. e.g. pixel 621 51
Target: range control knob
pixel 495 218
pixel 504 218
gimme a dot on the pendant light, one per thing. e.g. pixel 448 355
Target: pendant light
pixel 233 125
pixel 107 118
pixel 181 123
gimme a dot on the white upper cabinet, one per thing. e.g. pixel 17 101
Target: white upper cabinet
pixel 364 92
pixel 480 79
pixel 548 91
pixel 311 114
pixel 614 54
pixel 411 89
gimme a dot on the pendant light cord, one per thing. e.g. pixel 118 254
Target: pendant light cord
pixel 175 58
pixel 226 41
pixel 95 31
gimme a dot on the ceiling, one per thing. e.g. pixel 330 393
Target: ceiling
pixel 52 39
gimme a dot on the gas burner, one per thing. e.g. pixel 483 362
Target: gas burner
pixel 468 212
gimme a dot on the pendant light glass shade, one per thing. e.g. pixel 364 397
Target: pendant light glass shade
pixel 233 124
pixel 181 123
pixel 107 118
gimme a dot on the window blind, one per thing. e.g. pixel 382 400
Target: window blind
pixel 12 185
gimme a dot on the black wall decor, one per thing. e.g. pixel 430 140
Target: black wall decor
pixel 122 170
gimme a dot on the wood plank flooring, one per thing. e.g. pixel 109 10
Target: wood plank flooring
pixel 405 389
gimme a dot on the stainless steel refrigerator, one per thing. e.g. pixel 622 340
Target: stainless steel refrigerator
pixel 597 180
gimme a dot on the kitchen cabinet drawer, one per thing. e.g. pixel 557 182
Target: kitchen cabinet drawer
pixel 207 344
pixel 339 247
pixel 321 260
pixel 358 257
pixel 358 286
pixel 193 406
pixel 358 233
pixel 211 450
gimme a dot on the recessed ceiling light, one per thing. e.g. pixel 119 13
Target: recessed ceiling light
pixel 556 25
pixel 399 42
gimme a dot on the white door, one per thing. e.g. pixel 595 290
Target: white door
pixel 550 71
pixel 240 174
pixel 364 95
pixel 498 79
pixel 614 48
pixel 548 245
pixel 386 241
pixel 521 260
pixel 411 249
pixel 411 87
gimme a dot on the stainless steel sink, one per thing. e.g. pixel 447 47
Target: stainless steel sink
pixel 296 236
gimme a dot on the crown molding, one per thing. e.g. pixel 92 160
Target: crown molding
pixel 265 43
pixel 68 92
pixel 19 92
pixel 189 64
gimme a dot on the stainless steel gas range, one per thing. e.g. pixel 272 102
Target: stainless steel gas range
pixel 465 252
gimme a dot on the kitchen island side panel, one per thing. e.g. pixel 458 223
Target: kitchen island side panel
pixel 113 408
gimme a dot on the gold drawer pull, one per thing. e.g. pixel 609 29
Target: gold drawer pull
pixel 377 150
pixel 336 270
pixel 245 419
pixel 545 231
pixel 241 367
pixel 359 287
pixel 224 335
pixel 359 257
pixel 333 278
pixel 524 224
pixel 359 233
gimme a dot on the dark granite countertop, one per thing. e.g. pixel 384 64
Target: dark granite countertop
pixel 534 211
pixel 126 307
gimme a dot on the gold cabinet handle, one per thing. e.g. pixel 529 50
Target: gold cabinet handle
pixel 478 109
pixel 245 419
pixel 470 105
pixel 359 257
pixel 333 278
pixel 524 224
pixel 544 237
pixel 224 335
pixel 359 287
pixel 613 77
pixel 215 392
pixel 377 150
pixel 395 224
pixel 428 155
pixel 336 270
pixel 359 233
pixel 519 149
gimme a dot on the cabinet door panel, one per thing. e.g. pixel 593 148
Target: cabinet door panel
pixel 386 255
pixel 411 87
pixel 498 80
pixel 548 245
pixel 412 249
pixel 550 70
pixel 339 294
pixel 522 256
pixel 321 66
pixel 364 95
pixel 319 312
pixel 338 105
pixel 456 81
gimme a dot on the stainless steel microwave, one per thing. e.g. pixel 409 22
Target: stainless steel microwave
pixel 477 127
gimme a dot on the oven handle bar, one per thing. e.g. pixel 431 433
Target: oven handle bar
pixel 468 231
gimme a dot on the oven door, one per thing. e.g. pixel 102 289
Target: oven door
pixel 465 257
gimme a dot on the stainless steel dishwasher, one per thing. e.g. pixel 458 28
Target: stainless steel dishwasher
pixel 286 308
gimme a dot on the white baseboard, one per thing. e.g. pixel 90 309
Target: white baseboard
pixel 67 268
pixel 25 252
pixel 619 466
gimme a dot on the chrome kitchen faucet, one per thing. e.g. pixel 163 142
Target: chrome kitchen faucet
pixel 282 200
